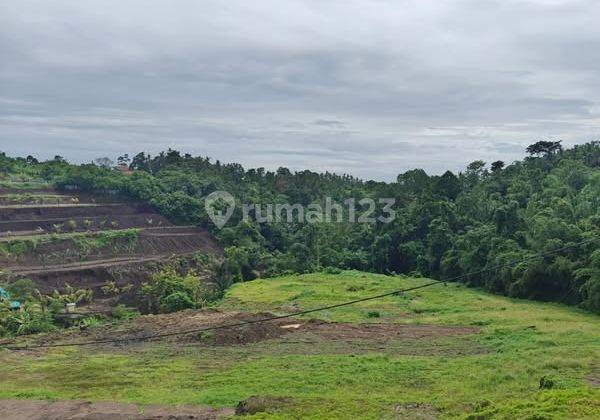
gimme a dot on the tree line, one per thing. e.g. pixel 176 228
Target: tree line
pixel 538 219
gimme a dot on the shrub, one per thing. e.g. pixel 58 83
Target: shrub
pixel 21 289
pixel 177 301
pixel 546 382
pixel 111 288
pixel 122 312
pixel 331 270
pixel 166 290
pixel 56 301
pixel 30 319
pixel 92 321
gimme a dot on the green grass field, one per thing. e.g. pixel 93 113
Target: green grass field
pixel 491 374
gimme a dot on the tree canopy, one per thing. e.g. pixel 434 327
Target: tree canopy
pixel 445 227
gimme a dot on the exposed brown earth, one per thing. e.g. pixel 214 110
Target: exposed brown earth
pixel 416 411
pixel 52 211
pixel 16 190
pixel 88 265
pixel 15 199
pixel 73 409
pixel 51 251
pixel 82 223
pixel 183 328
pixel 95 275
pixel 53 260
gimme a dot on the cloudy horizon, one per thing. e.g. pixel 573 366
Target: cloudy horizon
pixel 369 88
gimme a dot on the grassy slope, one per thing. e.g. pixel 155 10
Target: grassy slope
pixel 525 341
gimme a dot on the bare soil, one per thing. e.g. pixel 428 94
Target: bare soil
pixel 94 275
pixel 16 190
pixel 42 212
pixel 416 411
pixel 54 261
pixel 593 380
pixel 88 265
pixel 74 409
pixel 83 223
pixel 52 255
pixel 189 321
pixel 15 199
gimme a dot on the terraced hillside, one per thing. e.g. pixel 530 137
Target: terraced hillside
pixel 55 238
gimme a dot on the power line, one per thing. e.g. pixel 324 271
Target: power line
pixel 298 313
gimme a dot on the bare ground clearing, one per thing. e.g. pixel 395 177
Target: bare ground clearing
pixel 186 323
pixel 84 223
pixel 74 409
pixel 58 243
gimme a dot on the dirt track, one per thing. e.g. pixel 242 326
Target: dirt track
pixel 59 410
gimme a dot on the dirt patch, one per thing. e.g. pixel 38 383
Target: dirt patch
pixel 42 212
pixel 82 260
pixel 415 411
pixel 51 253
pixel 189 322
pixel 593 380
pixel 386 332
pixel 17 199
pixel 82 223
pixel 54 410
pixel 95 275
pixel 17 190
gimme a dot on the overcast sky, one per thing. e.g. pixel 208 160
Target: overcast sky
pixel 370 88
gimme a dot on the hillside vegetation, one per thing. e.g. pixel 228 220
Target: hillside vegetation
pixel 446 226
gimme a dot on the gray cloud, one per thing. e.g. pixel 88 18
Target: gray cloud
pixel 371 88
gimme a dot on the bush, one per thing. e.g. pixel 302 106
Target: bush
pixel 546 383
pixel 92 321
pixel 122 312
pixel 29 320
pixel 21 289
pixel 373 314
pixel 168 291
pixel 177 301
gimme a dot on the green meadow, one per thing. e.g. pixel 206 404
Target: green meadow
pixel 526 359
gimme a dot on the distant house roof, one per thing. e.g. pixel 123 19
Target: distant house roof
pixel 124 169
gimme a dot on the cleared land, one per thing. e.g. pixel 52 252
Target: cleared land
pixel 89 240
pixel 441 352
pixel 20 409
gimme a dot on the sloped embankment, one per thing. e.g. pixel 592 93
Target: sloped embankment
pixel 86 241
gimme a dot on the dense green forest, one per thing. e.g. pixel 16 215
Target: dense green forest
pixel 455 225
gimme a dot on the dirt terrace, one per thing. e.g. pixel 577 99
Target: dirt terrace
pixel 53 260
pixel 38 226
pixel 63 211
pixel 52 251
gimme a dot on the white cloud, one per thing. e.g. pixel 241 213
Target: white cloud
pixel 367 87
